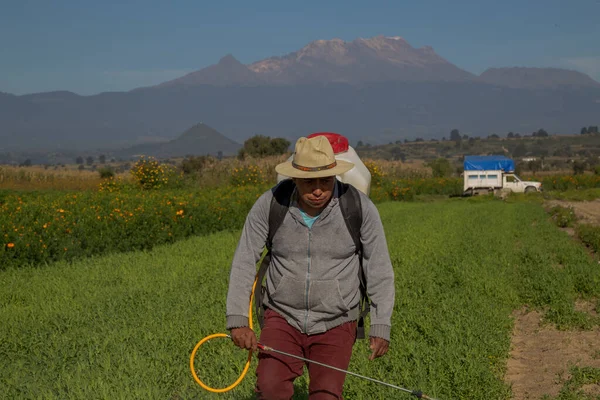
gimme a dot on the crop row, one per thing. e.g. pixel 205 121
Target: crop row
pixel 45 227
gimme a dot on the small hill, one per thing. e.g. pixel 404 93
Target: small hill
pixel 198 140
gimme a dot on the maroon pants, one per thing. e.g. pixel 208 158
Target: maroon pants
pixel 275 373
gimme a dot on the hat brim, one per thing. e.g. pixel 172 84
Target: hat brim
pixel 287 169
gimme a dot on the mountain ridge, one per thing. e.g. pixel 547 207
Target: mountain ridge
pixel 363 61
pixel 381 88
pixel 360 61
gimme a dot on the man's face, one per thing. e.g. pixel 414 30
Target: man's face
pixel 315 193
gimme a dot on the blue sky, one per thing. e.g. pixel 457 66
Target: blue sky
pixel 90 47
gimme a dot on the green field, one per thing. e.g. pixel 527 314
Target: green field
pixel 122 326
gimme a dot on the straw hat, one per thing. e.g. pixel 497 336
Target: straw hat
pixel 313 158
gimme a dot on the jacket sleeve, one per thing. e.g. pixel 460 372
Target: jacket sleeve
pixel 378 271
pixel 243 267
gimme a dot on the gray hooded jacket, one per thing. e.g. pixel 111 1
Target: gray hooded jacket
pixel 313 276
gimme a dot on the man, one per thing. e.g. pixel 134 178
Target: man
pixel 312 283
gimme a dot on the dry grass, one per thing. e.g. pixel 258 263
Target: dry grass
pixel 399 169
pixel 40 178
pixel 214 173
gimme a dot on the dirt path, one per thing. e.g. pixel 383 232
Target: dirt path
pixel 587 211
pixel 541 356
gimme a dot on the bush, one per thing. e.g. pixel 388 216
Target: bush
pixel 440 168
pixel 590 235
pixel 106 173
pixel 250 175
pixel 262 146
pixel 398 193
pixel 194 164
pixel 111 185
pixel 563 216
pixel 578 167
pixel 379 194
pixel 150 174
pixel 377 173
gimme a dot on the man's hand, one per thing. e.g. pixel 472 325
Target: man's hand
pixel 379 346
pixel 244 338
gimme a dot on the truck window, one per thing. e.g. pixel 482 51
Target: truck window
pixel 472 177
pixel 510 178
pixel 481 176
pixel 492 176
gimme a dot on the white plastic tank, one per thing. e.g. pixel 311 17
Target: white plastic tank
pixel 359 176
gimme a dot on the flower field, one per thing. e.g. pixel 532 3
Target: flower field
pixel 42 227
pixel 46 226
pixel 567 182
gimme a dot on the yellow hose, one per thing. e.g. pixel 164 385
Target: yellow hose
pixel 223 335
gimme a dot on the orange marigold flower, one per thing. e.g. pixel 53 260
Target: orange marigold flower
pixel 10 245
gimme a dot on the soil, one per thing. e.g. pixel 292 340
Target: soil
pixel 541 356
pixel 588 212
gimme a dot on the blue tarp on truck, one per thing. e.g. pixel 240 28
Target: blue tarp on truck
pixel 488 163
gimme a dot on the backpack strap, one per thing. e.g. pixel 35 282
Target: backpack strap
pixel 351 207
pixel 280 204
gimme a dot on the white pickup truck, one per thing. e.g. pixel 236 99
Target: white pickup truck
pixel 492 174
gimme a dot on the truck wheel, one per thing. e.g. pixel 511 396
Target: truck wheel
pixel 530 189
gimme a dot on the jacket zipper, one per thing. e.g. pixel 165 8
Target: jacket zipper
pixel 307 282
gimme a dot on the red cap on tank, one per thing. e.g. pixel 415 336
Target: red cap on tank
pixel 338 142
